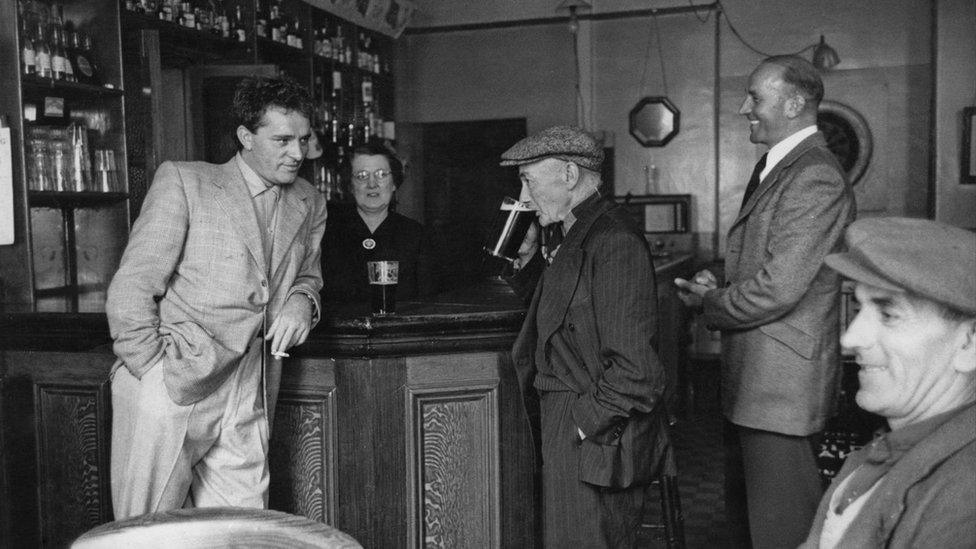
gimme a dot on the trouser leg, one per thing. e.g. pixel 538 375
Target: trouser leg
pixel 783 486
pixel 577 514
pixel 150 468
pixel 736 515
pixel 234 470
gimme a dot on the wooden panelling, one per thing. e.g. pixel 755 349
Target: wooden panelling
pixel 56 436
pixel 454 463
pixel 73 460
pixel 302 454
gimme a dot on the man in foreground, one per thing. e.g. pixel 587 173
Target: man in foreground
pixel 915 340
pixel 589 375
pixel 220 274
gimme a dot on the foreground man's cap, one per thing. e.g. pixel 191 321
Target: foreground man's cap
pixel 563 142
pixel 927 258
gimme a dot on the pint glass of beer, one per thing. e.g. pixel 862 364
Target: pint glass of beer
pixel 382 286
pixel 508 228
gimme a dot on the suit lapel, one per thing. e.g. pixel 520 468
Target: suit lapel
pixel 292 211
pixel 232 196
pixel 560 279
pixel 815 140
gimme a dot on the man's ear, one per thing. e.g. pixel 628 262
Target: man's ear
pixel 795 105
pixel 246 137
pixel 572 174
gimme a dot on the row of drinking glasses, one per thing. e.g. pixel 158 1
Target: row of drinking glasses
pixel 59 159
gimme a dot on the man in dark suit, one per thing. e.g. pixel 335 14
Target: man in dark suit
pixel 589 374
pixel 779 309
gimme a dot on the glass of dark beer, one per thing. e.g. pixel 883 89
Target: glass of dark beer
pixel 508 229
pixel 382 286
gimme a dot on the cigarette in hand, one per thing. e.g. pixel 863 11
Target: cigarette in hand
pixel 280 354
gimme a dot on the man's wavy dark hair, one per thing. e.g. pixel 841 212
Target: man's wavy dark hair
pixel 256 95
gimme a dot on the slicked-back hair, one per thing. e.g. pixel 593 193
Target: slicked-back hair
pixel 255 95
pixel 801 74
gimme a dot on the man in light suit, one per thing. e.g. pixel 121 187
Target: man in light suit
pixel 221 274
pixel 779 309
pixel 589 375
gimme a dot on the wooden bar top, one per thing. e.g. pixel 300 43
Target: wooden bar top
pixel 445 323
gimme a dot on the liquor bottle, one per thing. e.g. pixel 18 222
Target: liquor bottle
pixel 188 16
pixel 327 49
pixel 28 57
pixel 59 57
pixel 335 104
pixel 238 30
pixel 83 62
pixel 71 49
pixel 223 22
pixel 166 10
pixel 260 20
pixel 292 35
pixel 42 52
pixel 274 19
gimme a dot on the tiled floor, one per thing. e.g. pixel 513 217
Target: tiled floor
pixel 699 453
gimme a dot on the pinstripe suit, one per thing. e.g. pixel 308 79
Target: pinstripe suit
pixel 193 291
pixel 585 359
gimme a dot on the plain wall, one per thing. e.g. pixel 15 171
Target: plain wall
pixel 527 71
pixel 955 89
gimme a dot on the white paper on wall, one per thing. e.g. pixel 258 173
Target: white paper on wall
pixel 6 189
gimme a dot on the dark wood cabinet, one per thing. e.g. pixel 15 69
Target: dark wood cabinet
pixel 70 181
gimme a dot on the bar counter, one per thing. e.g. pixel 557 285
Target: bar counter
pixel 402 431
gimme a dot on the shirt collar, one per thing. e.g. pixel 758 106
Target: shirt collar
pixel 783 148
pixel 255 185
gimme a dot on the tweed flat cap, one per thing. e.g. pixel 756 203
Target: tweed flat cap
pixel 927 258
pixel 563 142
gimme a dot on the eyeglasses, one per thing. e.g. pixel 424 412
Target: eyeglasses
pixel 380 175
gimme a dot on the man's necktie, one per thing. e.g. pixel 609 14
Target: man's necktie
pixel 552 237
pixel 754 180
pixel 879 461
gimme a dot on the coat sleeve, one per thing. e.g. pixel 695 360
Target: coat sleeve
pixel 808 222
pixel 625 310
pixel 309 279
pixel 150 258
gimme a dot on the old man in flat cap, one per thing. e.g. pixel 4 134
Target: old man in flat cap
pixel 587 368
pixel 915 340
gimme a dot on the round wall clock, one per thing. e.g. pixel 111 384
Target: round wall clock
pixel 848 137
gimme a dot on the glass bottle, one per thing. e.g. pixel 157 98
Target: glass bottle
pixel 238 31
pixel 42 52
pixel 28 57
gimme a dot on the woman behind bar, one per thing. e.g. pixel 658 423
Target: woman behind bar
pixel 373 231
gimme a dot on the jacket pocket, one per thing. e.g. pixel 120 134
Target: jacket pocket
pixel 796 339
pixel 632 458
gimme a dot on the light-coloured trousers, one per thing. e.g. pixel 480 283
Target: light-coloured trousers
pixel 209 454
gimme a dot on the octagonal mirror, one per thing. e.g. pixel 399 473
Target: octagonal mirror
pixel 654 121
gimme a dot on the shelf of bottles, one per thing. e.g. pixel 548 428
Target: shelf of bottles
pixel 72 136
pixel 226 20
pixel 71 107
pixel 353 91
pixel 349 68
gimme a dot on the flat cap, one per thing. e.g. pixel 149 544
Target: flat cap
pixel 927 258
pixel 563 142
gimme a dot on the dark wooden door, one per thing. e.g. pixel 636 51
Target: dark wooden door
pixel 463 186
pixel 211 90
